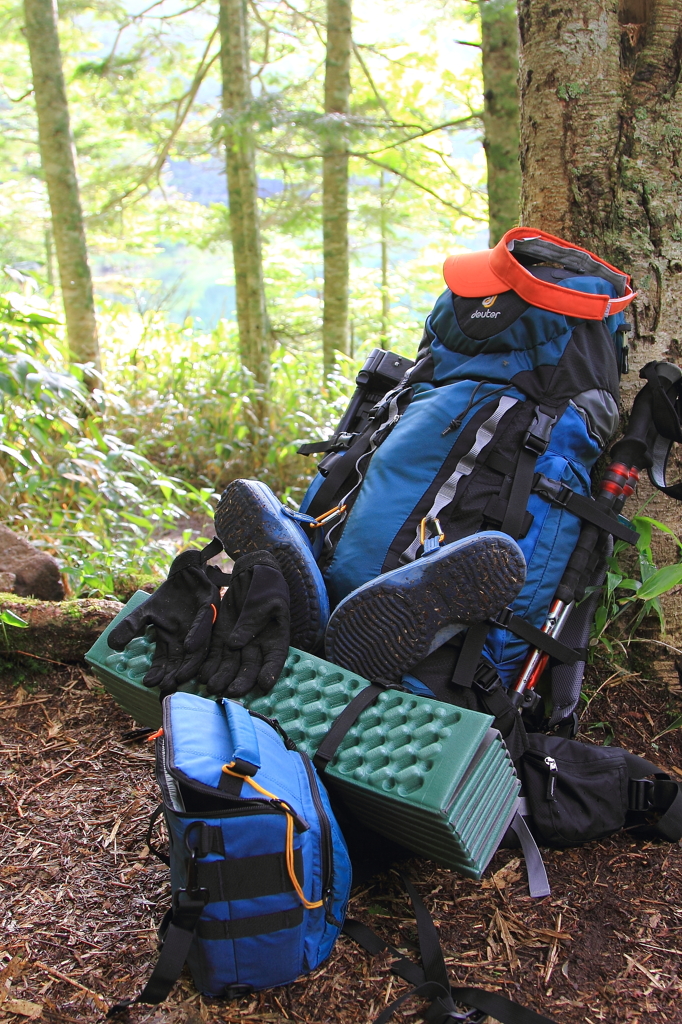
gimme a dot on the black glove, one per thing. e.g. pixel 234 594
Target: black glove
pixel 250 640
pixel 182 611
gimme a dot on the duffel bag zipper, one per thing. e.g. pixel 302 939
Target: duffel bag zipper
pixel 327 846
pixel 551 768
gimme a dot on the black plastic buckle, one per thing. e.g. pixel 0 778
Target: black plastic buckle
pixel 640 794
pixel 552 490
pixel 487 677
pixel 538 435
pixel 503 618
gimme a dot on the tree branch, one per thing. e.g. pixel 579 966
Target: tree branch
pixel 421 186
pixel 182 112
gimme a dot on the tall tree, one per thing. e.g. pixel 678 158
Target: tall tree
pixel 602 145
pixel 58 160
pixel 500 53
pixel 335 336
pixel 242 184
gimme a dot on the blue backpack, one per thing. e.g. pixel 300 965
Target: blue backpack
pixel 497 425
pixel 260 872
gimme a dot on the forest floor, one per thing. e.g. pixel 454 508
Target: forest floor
pixel 80 896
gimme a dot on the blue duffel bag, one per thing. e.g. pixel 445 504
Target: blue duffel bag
pixel 260 872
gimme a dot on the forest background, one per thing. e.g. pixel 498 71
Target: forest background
pixel 211 212
pixel 111 434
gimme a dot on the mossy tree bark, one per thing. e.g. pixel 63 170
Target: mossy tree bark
pixel 601 158
pixel 58 160
pixel 601 145
pixel 335 335
pixel 500 60
pixel 240 156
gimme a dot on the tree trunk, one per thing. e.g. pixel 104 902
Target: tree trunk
pixel 242 183
pixel 602 143
pixel 500 46
pixel 385 295
pixel 601 150
pixel 58 159
pixel 335 181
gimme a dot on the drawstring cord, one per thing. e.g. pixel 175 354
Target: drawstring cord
pixel 289 849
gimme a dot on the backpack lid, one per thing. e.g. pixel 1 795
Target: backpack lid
pixel 491 271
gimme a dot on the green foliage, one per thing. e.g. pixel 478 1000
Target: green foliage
pixel 8 618
pixel 629 598
pixel 81 492
pixel 195 414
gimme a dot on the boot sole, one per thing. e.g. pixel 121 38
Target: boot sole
pixel 249 518
pixel 387 626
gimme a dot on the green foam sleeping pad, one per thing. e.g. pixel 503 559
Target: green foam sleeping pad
pixel 433 777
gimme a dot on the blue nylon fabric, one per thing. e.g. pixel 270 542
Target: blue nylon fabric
pixel 551 539
pixel 536 338
pixel 242 733
pixel 399 474
pixel 269 959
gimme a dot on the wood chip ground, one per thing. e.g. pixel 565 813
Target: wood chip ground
pixel 80 896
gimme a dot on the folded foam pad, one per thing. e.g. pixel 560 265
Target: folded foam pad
pixel 433 777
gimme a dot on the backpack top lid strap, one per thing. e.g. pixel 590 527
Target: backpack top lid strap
pixel 202 735
pixel 496 270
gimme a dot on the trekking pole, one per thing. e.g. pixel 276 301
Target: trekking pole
pixel 614 482
pixel 618 483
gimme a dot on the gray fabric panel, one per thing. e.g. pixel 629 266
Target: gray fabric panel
pixel 572 259
pixel 599 410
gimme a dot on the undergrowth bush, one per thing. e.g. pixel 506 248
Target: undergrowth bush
pixel 111 483
pixel 187 404
pixel 78 491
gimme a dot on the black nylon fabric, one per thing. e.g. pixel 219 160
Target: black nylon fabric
pixel 182 612
pixel 250 640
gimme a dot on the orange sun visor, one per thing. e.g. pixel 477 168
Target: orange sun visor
pixel 491 271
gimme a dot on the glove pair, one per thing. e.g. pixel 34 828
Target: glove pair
pixel 230 645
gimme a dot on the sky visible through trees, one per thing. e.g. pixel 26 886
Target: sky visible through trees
pixel 151 165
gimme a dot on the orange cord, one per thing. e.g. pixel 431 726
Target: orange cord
pixel 289 839
pixel 155 735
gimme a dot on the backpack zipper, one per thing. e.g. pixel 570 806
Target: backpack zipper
pixel 552 771
pixel 327 846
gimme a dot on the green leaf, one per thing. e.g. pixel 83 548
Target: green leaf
pixel 14 453
pixel 613 580
pixel 655 523
pixel 662 580
pixel 10 619
pixel 676 724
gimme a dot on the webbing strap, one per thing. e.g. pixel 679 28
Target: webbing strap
pixel 247 878
pixel 365 446
pixel 431 981
pixel 348 717
pixel 484 435
pixel 249 927
pixel 177 942
pixel 663 794
pixel 658 471
pixel 538 883
pixel 584 508
pixel 538 638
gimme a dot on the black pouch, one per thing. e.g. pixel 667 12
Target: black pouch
pixel 574 792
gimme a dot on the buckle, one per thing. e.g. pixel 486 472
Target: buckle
pixel 538 434
pixel 640 794
pixel 487 677
pixel 503 618
pixel 552 490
